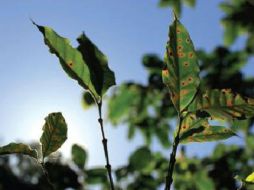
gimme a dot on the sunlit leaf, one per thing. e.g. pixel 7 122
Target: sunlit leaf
pixel 222 104
pixel 250 178
pixel 54 133
pixel 18 148
pixel 195 129
pixel 79 155
pixel 86 64
pixel 181 72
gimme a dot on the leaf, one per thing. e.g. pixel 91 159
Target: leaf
pixel 181 72
pixel 79 155
pixel 120 105
pixel 96 176
pixel 87 64
pixel 250 178
pixel 54 133
pixel 18 148
pixel 195 129
pixel 223 104
pixel 101 75
pixel 142 160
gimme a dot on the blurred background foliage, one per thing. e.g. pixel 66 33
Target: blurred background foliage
pixel 147 109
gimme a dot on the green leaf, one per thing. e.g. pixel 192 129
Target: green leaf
pixel 87 64
pixel 250 178
pixel 181 72
pixel 223 104
pixel 54 133
pixel 79 155
pixel 195 129
pixel 96 176
pixel 142 160
pixel 101 75
pixel 18 148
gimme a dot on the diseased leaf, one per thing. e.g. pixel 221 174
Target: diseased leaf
pixel 222 104
pixel 18 148
pixel 181 72
pixel 101 75
pixel 195 129
pixel 54 133
pixel 86 64
pixel 79 155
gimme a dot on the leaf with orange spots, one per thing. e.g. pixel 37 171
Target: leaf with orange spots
pixel 18 148
pixel 222 104
pixel 54 133
pixel 181 72
pixel 85 64
pixel 196 129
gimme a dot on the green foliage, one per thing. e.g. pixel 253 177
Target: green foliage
pixel 95 176
pixel 54 133
pixel 195 129
pixel 85 64
pixel 79 155
pixel 181 73
pixel 223 104
pixel 18 148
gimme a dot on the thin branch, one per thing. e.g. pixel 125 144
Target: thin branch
pixel 169 177
pixel 105 147
pixel 45 172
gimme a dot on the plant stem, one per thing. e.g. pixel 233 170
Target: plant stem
pixel 45 172
pixel 105 147
pixel 169 177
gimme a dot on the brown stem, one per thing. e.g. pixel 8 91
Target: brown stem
pixel 105 147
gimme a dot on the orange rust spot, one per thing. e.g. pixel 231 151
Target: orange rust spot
pixel 189 79
pixel 180 54
pixel 186 63
pixel 183 92
pixel 70 64
pixel 191 55
pixel 229 103
pixel 184 127
pixel 180 40
pixel 165 72
pixel 179 47
pixel 178 30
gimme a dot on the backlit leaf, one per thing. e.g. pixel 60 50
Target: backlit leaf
pixel 181 72
pixel 223 104
pixel 18 148
pixel 54 133
pixel 101 75
pixel 195 129
pixel 86 64
pixel 79 155
pixel 96 176
pixel 250 178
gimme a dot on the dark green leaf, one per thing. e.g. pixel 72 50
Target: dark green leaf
pixel 79 155
pixel 101 75
pixel 87 100
pixel 54 133
pixel 96 176
pixel 18 148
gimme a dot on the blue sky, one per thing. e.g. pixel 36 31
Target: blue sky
pixel 33 84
